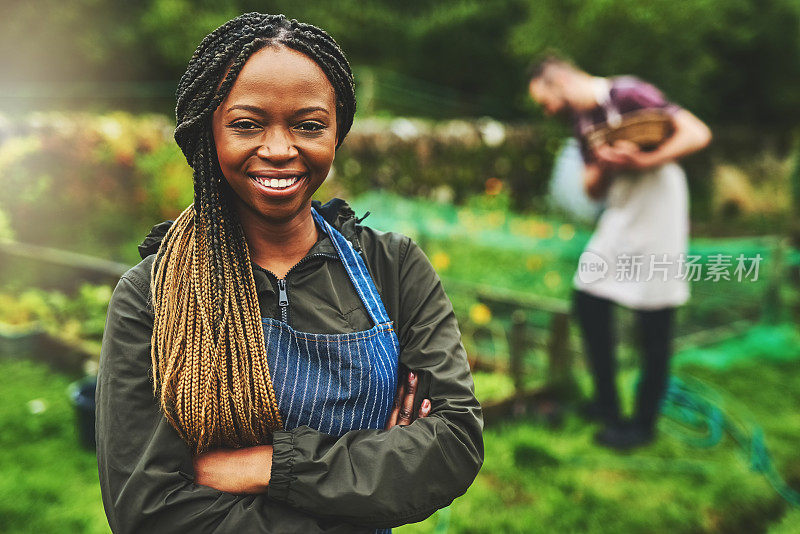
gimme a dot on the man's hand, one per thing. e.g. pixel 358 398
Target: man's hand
pixel 623 156
pixel 404 403
pixel 690 135
pixel 612 157
pixel 237 471
pixel 596 181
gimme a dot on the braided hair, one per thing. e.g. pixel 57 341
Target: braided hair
pixel 210 371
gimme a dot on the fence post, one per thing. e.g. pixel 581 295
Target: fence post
pixel 516 348
pixel 560 364
pixel 773 305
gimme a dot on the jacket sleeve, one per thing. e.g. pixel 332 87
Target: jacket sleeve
pixel 384 478
pixel 146 474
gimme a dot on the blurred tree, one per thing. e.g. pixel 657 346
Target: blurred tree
pixel 731 61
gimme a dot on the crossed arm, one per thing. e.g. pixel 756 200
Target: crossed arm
pixel 248 470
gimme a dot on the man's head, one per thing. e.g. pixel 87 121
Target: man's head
pixel 558 86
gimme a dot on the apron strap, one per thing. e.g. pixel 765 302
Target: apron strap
pixel 357 270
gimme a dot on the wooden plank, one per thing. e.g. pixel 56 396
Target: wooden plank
pixel 64 258
pixel 510 297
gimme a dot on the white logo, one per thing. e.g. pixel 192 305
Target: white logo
pixel 591 267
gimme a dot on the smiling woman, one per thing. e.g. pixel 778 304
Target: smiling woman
pixel 272 365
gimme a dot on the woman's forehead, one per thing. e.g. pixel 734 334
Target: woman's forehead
pixel 280 77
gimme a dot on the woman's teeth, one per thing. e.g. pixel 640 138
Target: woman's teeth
pixel 276 183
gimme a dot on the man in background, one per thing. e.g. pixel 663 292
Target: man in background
pixel 630 138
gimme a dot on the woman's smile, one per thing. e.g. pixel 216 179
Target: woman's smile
pixel 278 183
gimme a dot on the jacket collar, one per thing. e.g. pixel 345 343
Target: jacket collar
pixel 337 212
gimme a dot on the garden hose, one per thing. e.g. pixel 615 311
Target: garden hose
pixel 443 522
pixel 697 405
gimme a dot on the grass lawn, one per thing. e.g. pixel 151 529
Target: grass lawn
pixel 539 479
pixel 535 479
pixel 48 483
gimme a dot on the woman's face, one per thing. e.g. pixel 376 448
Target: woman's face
pixel 275 133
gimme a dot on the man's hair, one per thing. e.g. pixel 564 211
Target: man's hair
pixel 208 350
pixel 544 62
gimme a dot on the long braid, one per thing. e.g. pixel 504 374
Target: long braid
pixel 210 368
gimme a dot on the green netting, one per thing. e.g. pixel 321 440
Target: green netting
pixel 492 228
pixel 535 256
pixel 705 416
pixel 776 343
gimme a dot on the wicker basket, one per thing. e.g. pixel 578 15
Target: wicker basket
pixel 648 128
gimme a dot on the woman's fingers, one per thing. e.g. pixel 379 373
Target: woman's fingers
pixel 407 404
pixel 398 398
pixel 402 410
pixel 425 408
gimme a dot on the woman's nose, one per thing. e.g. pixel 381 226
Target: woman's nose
pixel 277 146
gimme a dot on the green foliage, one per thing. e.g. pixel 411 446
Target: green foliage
pixel 731 61
pixel 716 57
pixel 452 160
pixel 92 183
pixel 79 317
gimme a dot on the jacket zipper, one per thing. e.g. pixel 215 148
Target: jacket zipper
pixel 283 294
pixel 283 300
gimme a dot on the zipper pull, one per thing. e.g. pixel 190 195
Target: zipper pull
pixel 283 299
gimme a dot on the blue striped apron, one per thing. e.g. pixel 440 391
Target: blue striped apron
pixel 335 383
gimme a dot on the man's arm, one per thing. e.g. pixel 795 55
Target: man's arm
pixel 690 135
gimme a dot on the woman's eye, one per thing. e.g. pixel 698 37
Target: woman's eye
pixel 244 125
pixel 311 126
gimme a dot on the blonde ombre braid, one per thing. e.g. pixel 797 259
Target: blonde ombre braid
pixel 215 385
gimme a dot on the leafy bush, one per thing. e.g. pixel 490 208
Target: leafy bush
pixel 79 317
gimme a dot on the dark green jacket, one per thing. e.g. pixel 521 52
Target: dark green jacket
pixel 319 482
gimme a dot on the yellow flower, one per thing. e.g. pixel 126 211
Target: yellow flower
pixel 480 314
pixel 552 279
pixel 534 263
pixel 545 230
pixel 495 219
pixel 566 232
pixel 440 261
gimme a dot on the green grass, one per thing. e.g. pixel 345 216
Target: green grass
pixel 48 483
pixel 535 478
pixel 538 479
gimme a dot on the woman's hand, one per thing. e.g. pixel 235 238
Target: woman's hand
pixel 404 403
pixel 236 471
pixel 247 470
